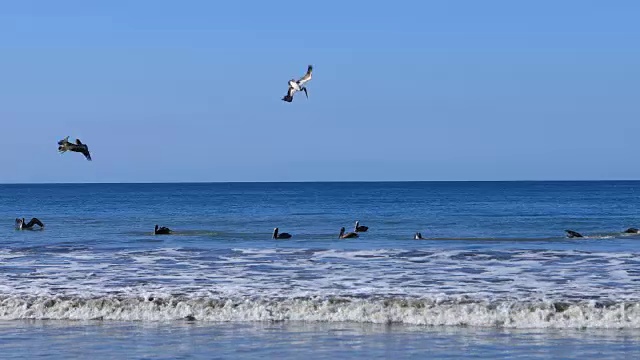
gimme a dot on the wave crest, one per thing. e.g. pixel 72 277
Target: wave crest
pixel 430 312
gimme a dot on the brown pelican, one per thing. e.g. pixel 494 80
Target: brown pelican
pixel 348 235
pixel 359 228
pixel 418 236
pixel 65 145
pixel 277 235
pixel 631 231
pixel 572 234
pixel 161 230
pixel 298 85
pixel 21 224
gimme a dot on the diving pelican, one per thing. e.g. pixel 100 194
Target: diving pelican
pixel 298 85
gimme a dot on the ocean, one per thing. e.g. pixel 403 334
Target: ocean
pixel 495 276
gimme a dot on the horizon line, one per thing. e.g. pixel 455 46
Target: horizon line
pixel 308 182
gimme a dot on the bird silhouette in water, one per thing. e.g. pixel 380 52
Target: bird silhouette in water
pixel 360 228
pixel 349 235
pixel 573 234
pixel 279 235
pixel 161 230
pixel 21 224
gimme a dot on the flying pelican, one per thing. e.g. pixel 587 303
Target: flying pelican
pixel 65 145
pixel 298 85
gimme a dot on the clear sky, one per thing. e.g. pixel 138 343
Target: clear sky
pixel 402 90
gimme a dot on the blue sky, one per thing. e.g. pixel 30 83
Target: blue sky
pixel 402 90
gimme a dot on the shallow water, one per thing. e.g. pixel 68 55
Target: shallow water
pixel 291 340
pixel 495 259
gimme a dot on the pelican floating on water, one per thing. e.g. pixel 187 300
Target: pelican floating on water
pixel 348 235
pixel 277 235
pixel 65 145
pixel 298 85
pixel 573 234
pixel 360 228
pixel 21 224
pixel 161 230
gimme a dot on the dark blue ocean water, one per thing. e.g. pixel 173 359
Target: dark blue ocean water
pixel 495 259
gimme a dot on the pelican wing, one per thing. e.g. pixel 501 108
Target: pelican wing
pixel 35 221
pixel 306 76
pixel 85 152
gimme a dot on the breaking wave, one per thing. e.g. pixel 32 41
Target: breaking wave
pixel 428 312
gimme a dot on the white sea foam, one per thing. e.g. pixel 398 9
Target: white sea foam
pixel 357 254
pixel 431 312
pixel 490 276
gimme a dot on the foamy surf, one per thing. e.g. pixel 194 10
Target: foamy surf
pixel 427 312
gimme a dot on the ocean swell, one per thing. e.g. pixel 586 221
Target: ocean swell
pixel 429 312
